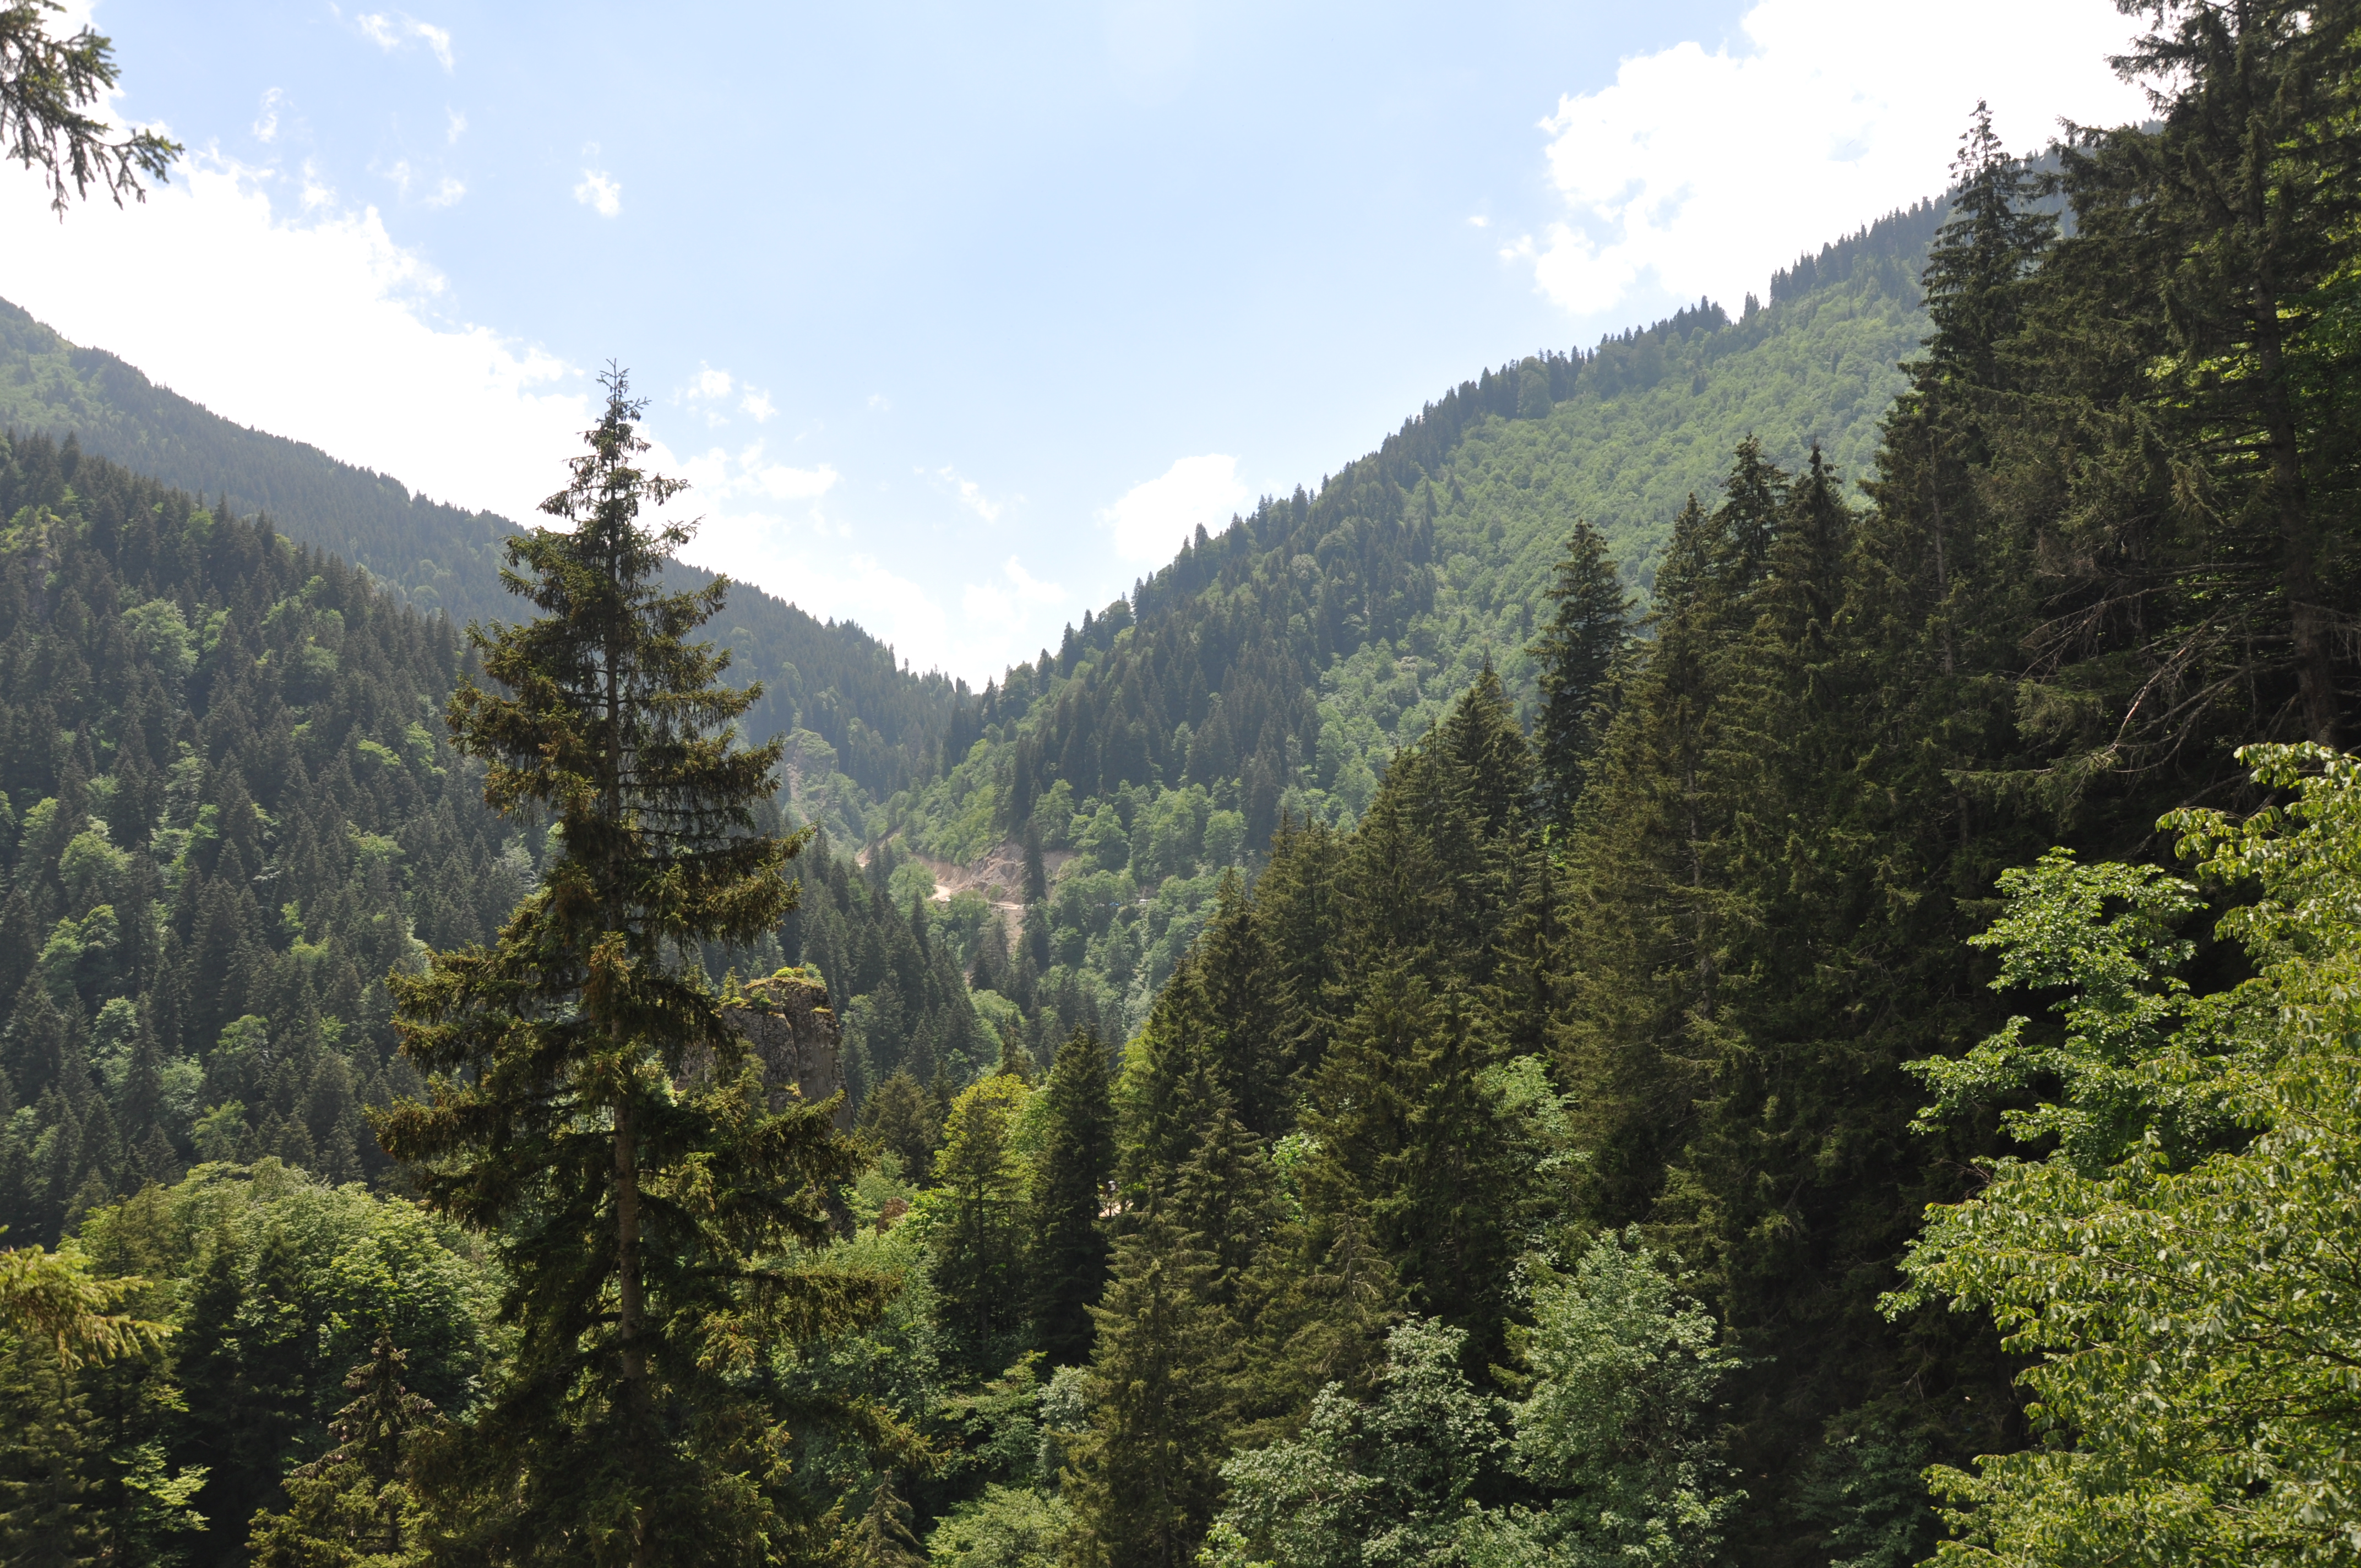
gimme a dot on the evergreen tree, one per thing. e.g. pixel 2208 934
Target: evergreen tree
pixel 590 1107
pixel 1411 1143
pixel 898 1118
pixel 978 1245
pixel 882 1538
pixel 47 1443
pixel 1067 1263
pixel 356 1505
pixel 1146 1475
pixel 1578 653
pixel 47 84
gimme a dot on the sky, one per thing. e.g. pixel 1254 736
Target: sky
pixel 961 318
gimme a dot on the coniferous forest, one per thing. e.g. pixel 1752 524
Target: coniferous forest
pixel 1739 948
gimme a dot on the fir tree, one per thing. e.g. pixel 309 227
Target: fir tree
pixel 1067 1263
pixel 978 1245
pixel 356 1505
pixel 1578 653
pixel 1410 1143
pixel 882 1538
pixel 589 1106
pixel 1146 1475
pixel 898 1119
pixel 46 85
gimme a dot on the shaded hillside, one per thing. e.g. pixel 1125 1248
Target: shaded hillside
pixel 881 725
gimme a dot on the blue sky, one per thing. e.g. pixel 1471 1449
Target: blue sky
pixel 961 316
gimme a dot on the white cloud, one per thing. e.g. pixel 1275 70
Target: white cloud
pixel 782 483
pixel 599 191
pixel 1153 519
pixel 390 33
pixel 266 121
pixel 721 479
pixel 764 523
pixel 711 383
pixel 277 294
pixel 1001 606
pixel 458 123
pixel 438 39
pixel 803 557
pixel 266 312
pixel 972 496
pixel 1704 173
pixel 756 406
pixel 446 192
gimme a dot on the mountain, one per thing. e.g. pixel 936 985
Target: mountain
pixel 874 724
pixel 1272 670
pixel 1883 1068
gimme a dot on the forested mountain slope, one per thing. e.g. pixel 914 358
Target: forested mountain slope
pixel 881 725
pixel 1272 670
pixel 1745 1085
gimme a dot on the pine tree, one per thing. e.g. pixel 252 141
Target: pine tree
pixel 978 1244
pixel 588 1105
pixel 1576 654
pixel 1067 1260
pixel 1146 1475
pixel 883 1537
pixel 1410 1143
pixel 898 1118
pixel 356 1505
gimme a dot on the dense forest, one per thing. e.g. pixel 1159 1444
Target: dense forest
pixel 873 728
pixel 1273 668
pixel 1818 1031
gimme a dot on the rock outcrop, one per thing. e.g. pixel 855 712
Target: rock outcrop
pixel 793 1032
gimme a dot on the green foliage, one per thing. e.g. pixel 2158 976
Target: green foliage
pixel 590 1109
pixel 881 1538
pixel 1623 1424
pixel 897 1118
pixel 1144 1476
pixel 203 767
pixel 979 1224
pixel 1067 1261
pixel 242 1297
pixel 1392 1483
pixel 1575 655
pixel 356 1505
pixel 2187 1310
pixel 1006 1528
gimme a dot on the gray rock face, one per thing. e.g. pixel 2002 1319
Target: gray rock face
pixel 792 1030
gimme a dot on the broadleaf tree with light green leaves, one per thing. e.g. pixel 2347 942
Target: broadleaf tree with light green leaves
pixel 2179 1254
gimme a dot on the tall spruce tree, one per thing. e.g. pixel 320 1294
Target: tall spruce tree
pixel 978 1245
pixel 1069 1257
pixel 589 1108
pixel 1576 652
pixel 1147 1474
pixel 354 1506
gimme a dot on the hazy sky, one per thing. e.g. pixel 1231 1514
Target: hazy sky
pixel 960 316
